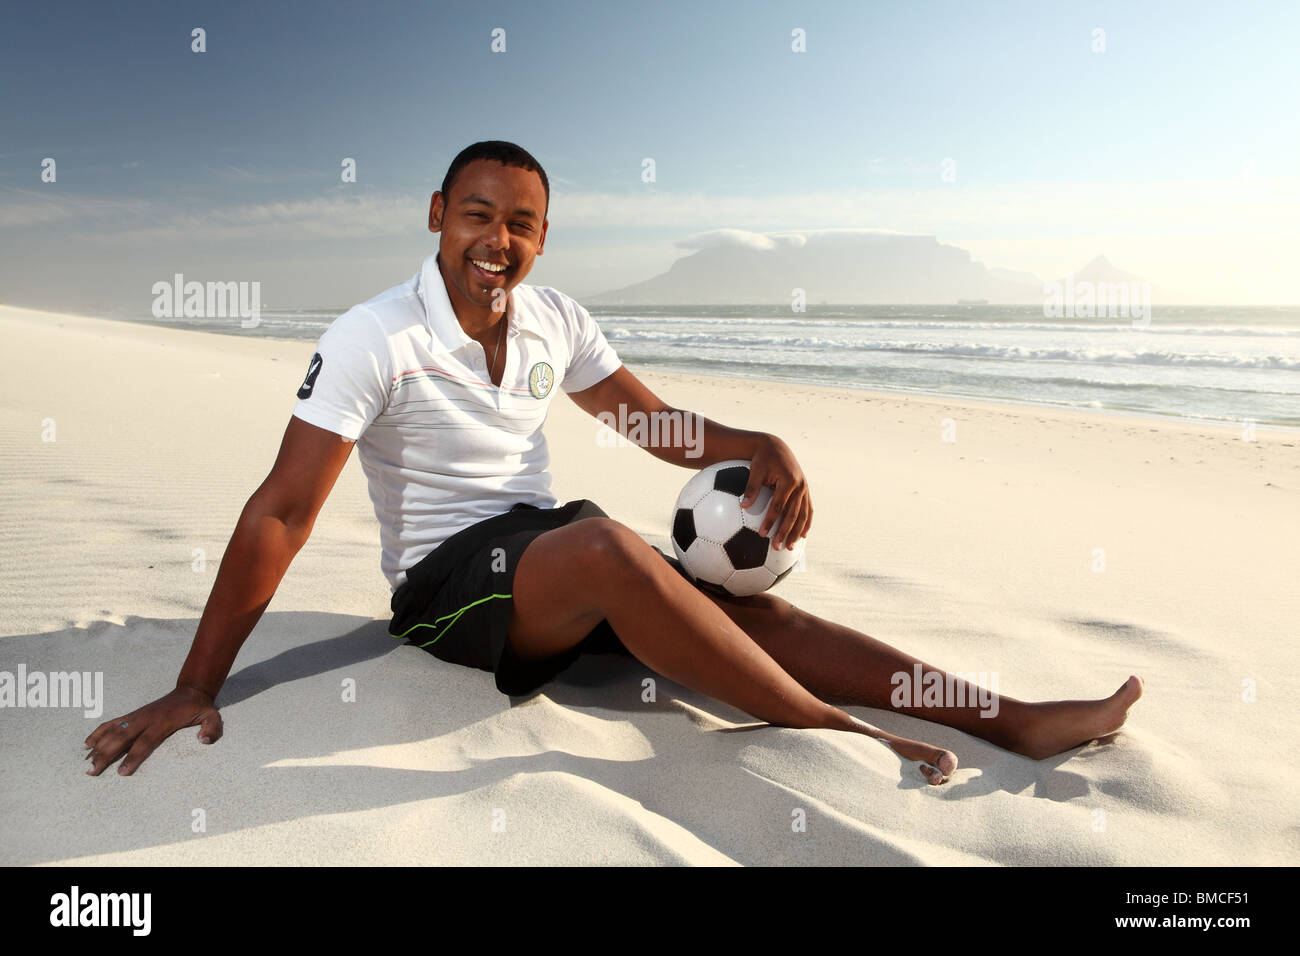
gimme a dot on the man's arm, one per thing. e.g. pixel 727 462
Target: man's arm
pixel 274 525
pixel 713 442
pixel 703 442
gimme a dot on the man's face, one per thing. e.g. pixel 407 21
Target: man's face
pixel 494 216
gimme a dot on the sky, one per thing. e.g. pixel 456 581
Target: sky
pixel 1036 135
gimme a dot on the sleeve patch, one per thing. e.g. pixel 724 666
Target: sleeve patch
pixel 312 371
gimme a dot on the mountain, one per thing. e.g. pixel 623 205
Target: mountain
pixel 1111 284
pixel 1100 270
pixel 832 266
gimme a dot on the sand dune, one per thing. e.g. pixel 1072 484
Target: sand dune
pixel 977 555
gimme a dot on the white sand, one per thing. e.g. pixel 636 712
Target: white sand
pixel 975 555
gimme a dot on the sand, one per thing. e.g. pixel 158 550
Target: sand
pixel 978 554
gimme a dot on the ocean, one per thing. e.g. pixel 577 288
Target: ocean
pixel 1221 364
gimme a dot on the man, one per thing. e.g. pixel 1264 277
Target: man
pixel 444 382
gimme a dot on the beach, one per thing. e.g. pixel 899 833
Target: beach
pixel 1057 551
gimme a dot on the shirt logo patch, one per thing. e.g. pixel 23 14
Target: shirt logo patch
pixel 310 381
pixel 540 379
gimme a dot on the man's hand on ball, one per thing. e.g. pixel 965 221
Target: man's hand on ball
pixel 773 465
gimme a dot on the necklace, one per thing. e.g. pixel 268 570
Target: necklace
pixel 500 336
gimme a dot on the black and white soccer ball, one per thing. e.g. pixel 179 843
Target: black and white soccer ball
pixel 718 542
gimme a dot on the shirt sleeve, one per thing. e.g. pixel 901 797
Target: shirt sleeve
pixel 592 359
pixel 347 382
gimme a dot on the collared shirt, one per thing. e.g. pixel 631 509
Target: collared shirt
pixel 441 446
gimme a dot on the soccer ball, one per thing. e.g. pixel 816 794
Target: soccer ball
pixel 718 542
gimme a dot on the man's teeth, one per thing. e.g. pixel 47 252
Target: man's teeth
pixel 487 266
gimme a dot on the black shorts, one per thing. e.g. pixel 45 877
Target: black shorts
pixel 456 601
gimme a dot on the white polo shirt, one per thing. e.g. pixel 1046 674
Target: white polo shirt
pixel 441 446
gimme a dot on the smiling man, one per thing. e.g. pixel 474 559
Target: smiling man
pixel 443 383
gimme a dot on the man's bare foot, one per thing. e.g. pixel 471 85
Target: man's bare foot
pixel 1060 725
pixel 937 764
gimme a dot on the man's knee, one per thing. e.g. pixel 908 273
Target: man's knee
pixel 603 544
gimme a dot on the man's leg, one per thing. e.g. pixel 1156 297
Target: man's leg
pixel 569 579
pixel 844 666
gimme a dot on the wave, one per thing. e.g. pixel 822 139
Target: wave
pixel 1091 356
pixel 1019 353
pixel 1155 328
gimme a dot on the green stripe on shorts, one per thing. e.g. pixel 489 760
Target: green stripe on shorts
pixel 451 619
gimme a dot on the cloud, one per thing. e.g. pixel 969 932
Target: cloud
pixel 745 239
pixel 997 211
pixel 332 217
pixel 715 238
pixel 127 221
pixel 22 208
pixel 1221 240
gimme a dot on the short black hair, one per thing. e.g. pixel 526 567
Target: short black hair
pixel 508 154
